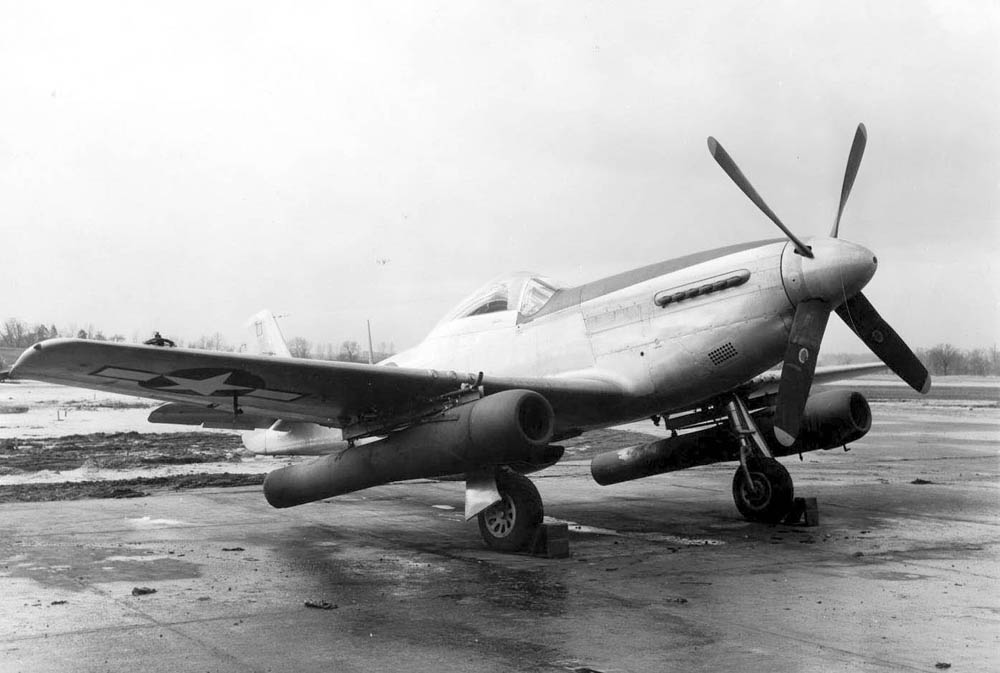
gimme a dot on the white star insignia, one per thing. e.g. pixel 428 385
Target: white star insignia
pixel 208 386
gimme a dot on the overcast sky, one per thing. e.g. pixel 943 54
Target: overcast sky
pixel 178 166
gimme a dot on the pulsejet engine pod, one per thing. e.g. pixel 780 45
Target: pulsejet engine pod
pixel 513 427
pixel 830 419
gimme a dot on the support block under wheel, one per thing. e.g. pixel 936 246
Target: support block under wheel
pixel 551 541
pixel 805 510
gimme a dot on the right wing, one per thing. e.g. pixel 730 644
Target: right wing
pixel 334 394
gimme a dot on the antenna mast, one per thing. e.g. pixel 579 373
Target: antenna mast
pixel 371 352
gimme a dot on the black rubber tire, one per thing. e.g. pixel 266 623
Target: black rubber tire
pixel 775 494
pixel 511 524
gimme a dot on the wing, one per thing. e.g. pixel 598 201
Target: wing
pixel 767 382
pixel 335 394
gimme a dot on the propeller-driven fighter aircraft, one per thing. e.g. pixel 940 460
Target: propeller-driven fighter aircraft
pixel 525 362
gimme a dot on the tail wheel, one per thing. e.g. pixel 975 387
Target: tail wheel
pixel 511 524
pixel 768 496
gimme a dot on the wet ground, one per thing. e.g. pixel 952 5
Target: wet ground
pixel 122 465
pixel 901 574
pixel 47 453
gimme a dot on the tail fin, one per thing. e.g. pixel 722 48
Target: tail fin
pixel 266 337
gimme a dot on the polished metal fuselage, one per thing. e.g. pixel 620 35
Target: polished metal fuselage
pixel 662 356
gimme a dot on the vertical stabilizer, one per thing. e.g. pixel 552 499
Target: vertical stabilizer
pixel 266 337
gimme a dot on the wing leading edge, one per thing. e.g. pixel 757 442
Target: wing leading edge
pixel 767 382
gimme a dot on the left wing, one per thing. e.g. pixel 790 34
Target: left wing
pixel 335 394
pixel 767 382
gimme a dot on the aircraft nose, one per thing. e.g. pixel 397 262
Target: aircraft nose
pixel 837 271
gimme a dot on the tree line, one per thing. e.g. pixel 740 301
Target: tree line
pixel 18 334
pixel 15 333
pixel 300 347
pixel 945 359
pixel 941 360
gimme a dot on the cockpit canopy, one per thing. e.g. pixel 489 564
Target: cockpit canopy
pixel 524 292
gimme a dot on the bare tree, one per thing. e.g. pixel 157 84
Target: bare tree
pixel 14 333
pixel 977 362
pixel 350 351
pixel 215 342
pixel 299 347
pixel 944 359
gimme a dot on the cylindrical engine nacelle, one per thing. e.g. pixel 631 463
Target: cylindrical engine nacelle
pixel 830 419
pixel 514 426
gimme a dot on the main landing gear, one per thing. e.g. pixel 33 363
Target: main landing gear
pixel 511 524
pixel 762 487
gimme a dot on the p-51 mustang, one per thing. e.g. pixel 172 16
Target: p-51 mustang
pixel 526 362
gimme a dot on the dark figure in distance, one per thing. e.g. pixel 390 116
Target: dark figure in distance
pixel 158 340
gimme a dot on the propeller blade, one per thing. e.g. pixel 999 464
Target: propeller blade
pixel 853 163
pixel 800 365
pixel 732 170
pixel 864 320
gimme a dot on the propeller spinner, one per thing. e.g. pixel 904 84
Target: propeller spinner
pixel 828 276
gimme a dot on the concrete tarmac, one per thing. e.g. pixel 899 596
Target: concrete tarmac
pixel 663 573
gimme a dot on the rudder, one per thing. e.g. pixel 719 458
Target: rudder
pixel 267 337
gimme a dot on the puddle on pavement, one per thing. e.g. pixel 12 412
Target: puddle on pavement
pixel 678 539
pixel 894 576
pixel 425 576
pixel 383 576
pixel 148 522
pixel 534 591
pixel 73 568
pixel 663 538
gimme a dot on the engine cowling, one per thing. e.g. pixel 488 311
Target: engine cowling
pixel 513 426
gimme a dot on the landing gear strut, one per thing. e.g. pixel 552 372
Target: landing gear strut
pixel 762 487
pixel 511 524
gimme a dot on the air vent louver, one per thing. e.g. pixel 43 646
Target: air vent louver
pixel 722 353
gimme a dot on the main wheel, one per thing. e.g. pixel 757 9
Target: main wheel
pixel 511 524
pixel 770 498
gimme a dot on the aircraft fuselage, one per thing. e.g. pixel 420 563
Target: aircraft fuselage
pixel 669 333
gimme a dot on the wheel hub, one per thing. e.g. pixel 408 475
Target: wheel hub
pixel 757 493
pixel 500 517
